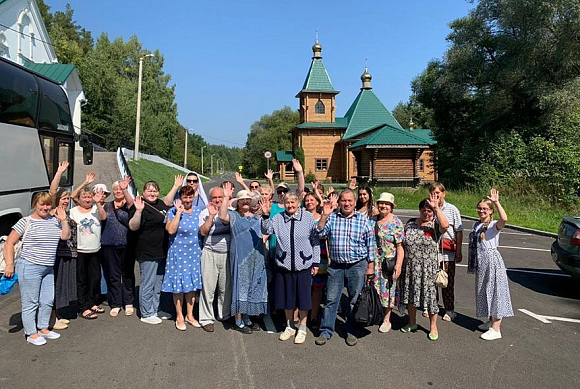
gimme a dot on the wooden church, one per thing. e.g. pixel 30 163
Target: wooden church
pixel 367 143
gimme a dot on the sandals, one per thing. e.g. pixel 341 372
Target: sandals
pixel 409 328
pixel 193 323
pixel 89 316
pixel 449 316
pixel 96 309
pixel 433 337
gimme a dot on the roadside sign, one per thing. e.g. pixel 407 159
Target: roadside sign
pixel 240 168
pixel 268 154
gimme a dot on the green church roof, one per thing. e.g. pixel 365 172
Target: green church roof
pixel 426 134
pixel 55 71
pixel 340 123
pixel 317 79
pixel 365 112
pixel 387 135
pixel 284 156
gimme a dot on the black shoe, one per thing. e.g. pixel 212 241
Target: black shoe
pixel 255 327
pixel 243 330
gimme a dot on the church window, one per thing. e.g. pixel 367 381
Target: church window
pixel 421 165
pixel 321 164
pixel 319 107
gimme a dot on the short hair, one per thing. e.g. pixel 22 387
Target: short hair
pixel 436 185
pixel 84 190
pixel 186 191
pixel 233 185
pixel 115 184
pixel 154 184
pixel 346 191
pixel 425 204
pixel 292 196
pixel 215 188
pixel 258 182
pixel 41 197
pixel 320 187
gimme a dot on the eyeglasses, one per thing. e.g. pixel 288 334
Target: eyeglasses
pixel 281 191
pixel 192 181
pixel 482 209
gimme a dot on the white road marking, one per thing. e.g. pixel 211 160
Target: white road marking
pixel 528 271
pixel 270 327
pixel 517 248
pixel 546 319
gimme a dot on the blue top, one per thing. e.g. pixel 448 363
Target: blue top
pixel 350 239
pixel 115 228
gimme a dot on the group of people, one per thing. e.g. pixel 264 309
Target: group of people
pixel 244 256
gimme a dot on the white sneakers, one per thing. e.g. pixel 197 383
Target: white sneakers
pixel 39 341
pixel 491 334
pixel 384 328
pixel 300 337
pixel 287 334
pixel 151 320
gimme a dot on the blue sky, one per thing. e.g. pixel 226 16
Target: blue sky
pixel 234 61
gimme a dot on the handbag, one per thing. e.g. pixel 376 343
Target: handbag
pixel 387 264
pixel 448 245
pixel 17 248
pixel 441 278
pixel 367 310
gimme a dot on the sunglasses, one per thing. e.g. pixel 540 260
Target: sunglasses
pixel 281 191
pixel 194 181
pixel 254 186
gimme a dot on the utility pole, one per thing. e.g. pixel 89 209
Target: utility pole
pixel 138 119
pixel 202 147
pixel 211 169
pixel 185 156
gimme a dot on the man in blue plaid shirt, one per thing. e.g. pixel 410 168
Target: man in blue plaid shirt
pixel 352 255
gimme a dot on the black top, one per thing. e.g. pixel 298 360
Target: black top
pixel 151 240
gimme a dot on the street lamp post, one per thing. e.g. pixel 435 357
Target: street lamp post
pixel 185 156
pixel 202 147
pixel 138 120
pixel 211 168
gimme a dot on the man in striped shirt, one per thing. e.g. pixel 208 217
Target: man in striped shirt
pixel 352 254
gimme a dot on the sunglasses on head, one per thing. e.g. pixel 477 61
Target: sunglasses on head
pixel 194 181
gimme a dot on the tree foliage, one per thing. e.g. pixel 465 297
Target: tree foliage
pixel 504 99
pixel 271 132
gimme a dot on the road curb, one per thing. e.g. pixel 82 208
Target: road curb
pixel 510 226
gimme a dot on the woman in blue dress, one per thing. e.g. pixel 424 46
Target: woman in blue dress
pixel 249 291
pixel 183 268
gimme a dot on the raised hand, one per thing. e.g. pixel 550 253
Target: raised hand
pixel 212 209
pixel 433 200
pixel 124 183
pixel 269 174
pixel 178 205
pixel 296 165
pixel 352 184
pixel 228 189
pixel 60 214
pixel 139 203
pixel 238 177
pixel 62 167
pixel 493 195
pixel 266 205
pixel 178 180
pixel 330 190
pixel 90 177
pixel 333 198
pixel 327 207
pixel 98 196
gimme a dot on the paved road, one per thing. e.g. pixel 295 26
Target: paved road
pixel 124 353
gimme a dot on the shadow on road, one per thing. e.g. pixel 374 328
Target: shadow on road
pixel 552 285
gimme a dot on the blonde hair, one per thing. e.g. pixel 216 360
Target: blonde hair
pixel 41 197
pixel 436 185
pixel 489 203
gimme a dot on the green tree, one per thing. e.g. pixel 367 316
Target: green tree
pixel 271 132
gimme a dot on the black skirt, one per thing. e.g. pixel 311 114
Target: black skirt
pixel 65 281
pixel 292 289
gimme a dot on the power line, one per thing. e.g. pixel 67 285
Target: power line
pixel 222 140
pixel 30 36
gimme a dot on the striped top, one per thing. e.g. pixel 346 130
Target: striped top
pixel 41 241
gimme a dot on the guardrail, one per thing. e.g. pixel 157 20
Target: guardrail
pixel 125 171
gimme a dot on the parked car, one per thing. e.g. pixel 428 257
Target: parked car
pixel 566 249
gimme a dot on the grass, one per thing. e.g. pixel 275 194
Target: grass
pixel 523 210
pixel 145 170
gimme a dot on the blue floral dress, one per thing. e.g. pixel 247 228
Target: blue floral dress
pixel 183 268
pixel 250 282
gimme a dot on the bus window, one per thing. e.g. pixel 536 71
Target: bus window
pixel 65 153
pixel 54 108
pixel 18 96
pixel 48 148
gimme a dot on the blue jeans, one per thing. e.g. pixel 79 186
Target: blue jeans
pixel 354 275
pixel 151 271
pixel 36 294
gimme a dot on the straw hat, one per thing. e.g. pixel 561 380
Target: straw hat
pixel 387 197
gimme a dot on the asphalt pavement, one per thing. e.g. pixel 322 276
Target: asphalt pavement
pixel 122 352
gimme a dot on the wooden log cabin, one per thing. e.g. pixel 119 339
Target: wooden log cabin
pixel 367 143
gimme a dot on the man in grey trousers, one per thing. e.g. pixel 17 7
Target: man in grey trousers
pixel 215 266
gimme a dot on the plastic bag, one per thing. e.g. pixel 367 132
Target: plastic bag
pixel 368 310
pixel 7 284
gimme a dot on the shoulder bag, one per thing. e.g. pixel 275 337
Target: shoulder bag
pixel 387 264
pixel 441 279
pixel 17 247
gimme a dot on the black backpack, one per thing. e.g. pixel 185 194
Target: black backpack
pixel 368 310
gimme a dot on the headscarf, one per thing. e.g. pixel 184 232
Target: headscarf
pixel 200 192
